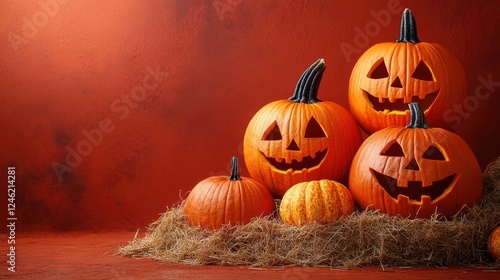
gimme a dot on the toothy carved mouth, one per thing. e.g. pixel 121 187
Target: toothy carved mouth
pixel 414 190
pixel 306 162
pixel 381 104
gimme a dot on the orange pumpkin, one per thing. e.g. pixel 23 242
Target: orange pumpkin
pixel 221 200
pixel 415 171
pixel 390 75
pixel 494 244
pixel 322 201
pixel 301 139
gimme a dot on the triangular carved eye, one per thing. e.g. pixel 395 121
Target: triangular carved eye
pixel 379 70
pixel 433 153
pixel 314 130
pixel 273 133
pixel 393 150
pixel 422 72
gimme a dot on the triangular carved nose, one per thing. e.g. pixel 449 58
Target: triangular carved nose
pixel 397 83
pixel 293 146
pixel 413 165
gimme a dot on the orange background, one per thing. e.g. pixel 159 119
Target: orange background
pixel 77 75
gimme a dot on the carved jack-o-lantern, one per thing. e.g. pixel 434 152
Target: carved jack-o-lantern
pixel 388 76
pixel 415 171
pixel 301 139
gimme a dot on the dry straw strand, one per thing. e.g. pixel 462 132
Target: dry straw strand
pixel 364 238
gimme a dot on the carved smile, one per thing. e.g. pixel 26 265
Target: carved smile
pixel 414 190
pixel 381 104
pixel 306 162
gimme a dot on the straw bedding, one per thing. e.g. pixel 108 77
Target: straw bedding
pixel 365 238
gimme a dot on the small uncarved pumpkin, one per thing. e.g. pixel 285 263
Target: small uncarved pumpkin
pixel 494 244
pixel 221 200
pixel 415 171
pixel 322 201
pixel 390 75
pixel 301 139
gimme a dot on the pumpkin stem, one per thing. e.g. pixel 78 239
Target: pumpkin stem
pixel 235 170
pixel 306 90
pixel 417 116
pixel 408 31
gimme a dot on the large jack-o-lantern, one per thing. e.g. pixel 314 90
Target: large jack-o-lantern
pixel 415 171
pixel 301 139
pixel 388 76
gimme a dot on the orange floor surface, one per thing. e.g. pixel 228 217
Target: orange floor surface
pixel 92 256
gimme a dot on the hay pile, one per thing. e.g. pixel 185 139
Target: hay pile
pixel 361 239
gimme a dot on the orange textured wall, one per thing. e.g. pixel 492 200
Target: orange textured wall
pixel 112 110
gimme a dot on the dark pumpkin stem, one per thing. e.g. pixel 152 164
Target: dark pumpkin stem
pixel 408 32
pixel 235 170
pixel 417 116
pixel 306 90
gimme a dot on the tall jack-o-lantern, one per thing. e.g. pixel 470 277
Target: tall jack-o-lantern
pixel 415 171
pixel 301 139
pixel 390 75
